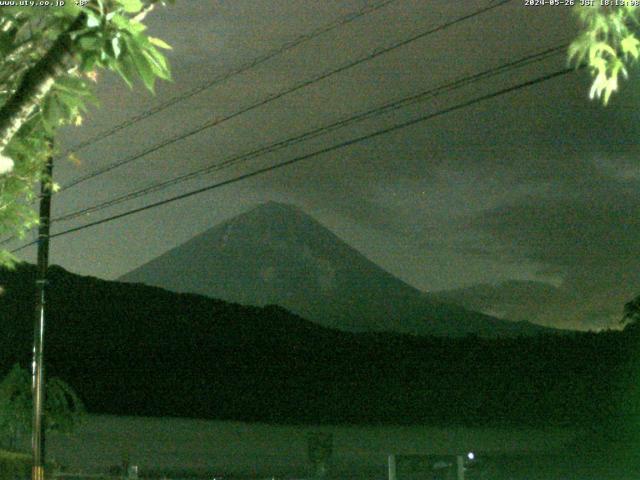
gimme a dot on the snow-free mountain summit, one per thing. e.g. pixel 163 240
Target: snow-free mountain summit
pixel 277 254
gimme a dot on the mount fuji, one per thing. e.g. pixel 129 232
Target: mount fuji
pixel 277 254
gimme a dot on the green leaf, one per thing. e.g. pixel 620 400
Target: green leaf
pixel 131 6
pixel 599 64
pixel 72 85
pixel 88 61
pixel 618 67
pixel 158 63
pixel 598 48
pixel 121 22
pixel 599 84
pixel 115 45
pixel 610 87
pixel 90 43
pixel 68 10
pixel 629 45
pixel 143 67
pixel 126 69
pixel 93 20
pixel 51 111
pixel 159 43
pixel 70 103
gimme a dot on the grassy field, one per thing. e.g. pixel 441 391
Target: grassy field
pixel 260 450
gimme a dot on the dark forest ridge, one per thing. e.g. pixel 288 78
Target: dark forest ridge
pixel 277 254
pixel 138 350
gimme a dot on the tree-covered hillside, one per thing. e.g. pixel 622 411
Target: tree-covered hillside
pixel 138 350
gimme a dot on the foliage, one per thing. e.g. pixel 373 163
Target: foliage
pixel 47 59
pixel 632 311
pixel 17 465
pixel 14 465
pixel 607 44
pixel 63 408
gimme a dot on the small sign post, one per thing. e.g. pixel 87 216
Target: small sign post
pixel 460 469
pixel 392 467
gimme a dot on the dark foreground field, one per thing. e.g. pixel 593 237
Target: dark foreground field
pixel 180 446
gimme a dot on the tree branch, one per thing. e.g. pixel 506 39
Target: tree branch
pixel 36 83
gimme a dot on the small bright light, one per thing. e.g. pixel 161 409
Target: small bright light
pixel 471 455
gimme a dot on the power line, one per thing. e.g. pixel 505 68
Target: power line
pixel 386 108
pixel 225 76
pixel 300 158
pixel 374 54
pixel 212 123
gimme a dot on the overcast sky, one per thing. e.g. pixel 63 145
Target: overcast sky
pixel 538 184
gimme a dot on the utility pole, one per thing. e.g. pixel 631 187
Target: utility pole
pixel 37 433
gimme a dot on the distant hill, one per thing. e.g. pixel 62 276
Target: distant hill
pixel 276 254
pixel 137 350
pixel 513 299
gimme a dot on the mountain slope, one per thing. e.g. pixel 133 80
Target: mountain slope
pixel 276 254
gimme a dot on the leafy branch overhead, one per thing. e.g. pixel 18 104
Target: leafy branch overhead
pixel 607 45
pixel 48 58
